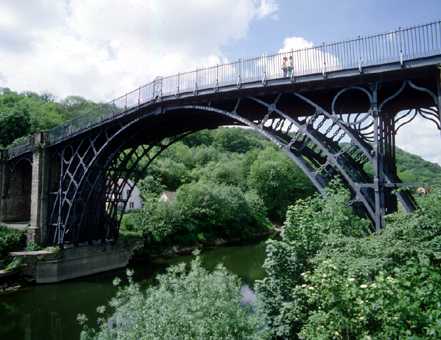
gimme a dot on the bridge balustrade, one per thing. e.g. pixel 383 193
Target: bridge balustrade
pixel 397 46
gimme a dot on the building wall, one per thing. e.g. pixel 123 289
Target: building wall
pixel 135 200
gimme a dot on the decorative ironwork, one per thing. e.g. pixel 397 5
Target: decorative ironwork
pixel 327 138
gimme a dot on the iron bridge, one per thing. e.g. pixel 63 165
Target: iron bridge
pixel 335 113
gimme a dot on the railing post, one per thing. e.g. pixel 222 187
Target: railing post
pixel 360 63
pixel 216 88
pixel 400 44
pixel 126 101
pixel 177 86
pixel 239 79
pixel 139 96
pixel 324 60
pixel 264 76
pixel 195 91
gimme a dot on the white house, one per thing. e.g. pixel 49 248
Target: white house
pixel 134 198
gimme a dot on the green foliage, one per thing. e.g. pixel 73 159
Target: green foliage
pixel 74 106
pixel 171 173
pixel 328 278
pixel 14 123
pixel 150 186
pixel 193 305
pixel 158 219
pixel 412 168
pixel 22 114
pixel 10 240
pixel 219 210
pixel 277 181
pixel 32 246
pixel 202 211
pixel 236 140
pixel 228 183
pixel 203 137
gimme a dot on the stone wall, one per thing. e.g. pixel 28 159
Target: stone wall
pixel 16 192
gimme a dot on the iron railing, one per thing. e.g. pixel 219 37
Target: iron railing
pixel 397 46
pixel 19 147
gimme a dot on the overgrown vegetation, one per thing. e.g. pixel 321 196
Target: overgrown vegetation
pixel 10 240
pixel 194 304
pixel 328 278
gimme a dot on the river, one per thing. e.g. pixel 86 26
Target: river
pixel 48 312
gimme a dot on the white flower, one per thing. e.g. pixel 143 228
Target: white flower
pixel 101 309
pixel 364 286
pixel 116 281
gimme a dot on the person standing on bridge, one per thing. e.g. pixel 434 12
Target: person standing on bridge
pixel 285 67
pixel 290 66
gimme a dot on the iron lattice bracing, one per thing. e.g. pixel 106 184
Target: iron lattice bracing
pixel 330 138
pixel 336 116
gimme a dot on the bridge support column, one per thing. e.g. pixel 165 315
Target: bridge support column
pixel 378 163
pixel 39 191
pixel 384 150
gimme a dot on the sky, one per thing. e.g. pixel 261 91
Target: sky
pixel 100 49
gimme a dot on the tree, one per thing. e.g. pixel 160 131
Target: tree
pixel 277 181
pixel 14 123
pixel 236 140
pixel 219 210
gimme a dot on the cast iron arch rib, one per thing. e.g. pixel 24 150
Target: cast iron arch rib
pixel 316 141
pixel 306 158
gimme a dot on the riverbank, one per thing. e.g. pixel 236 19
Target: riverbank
pixel 147 253
pixel 50 311
pixel 26 274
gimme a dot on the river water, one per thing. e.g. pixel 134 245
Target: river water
pixel 48 312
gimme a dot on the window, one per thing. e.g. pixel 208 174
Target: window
pixel 131 205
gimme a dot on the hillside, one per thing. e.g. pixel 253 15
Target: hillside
pixel 413 168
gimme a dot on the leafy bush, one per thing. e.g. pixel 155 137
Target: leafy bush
pixel 277 181
pixel 328 278
pixel 219 210
pixel 193 305
pixel 10 240
pixel 202 211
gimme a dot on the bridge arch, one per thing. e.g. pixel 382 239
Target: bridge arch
pixel 320 139
pixel 128 137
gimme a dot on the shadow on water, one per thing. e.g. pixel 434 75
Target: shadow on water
pixel 50 311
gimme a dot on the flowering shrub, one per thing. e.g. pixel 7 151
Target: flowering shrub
pixel 328 278
pixel 193 305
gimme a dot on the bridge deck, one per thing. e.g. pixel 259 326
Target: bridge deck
pixel 364 59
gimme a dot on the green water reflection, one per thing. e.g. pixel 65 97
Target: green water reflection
pixel 49 311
